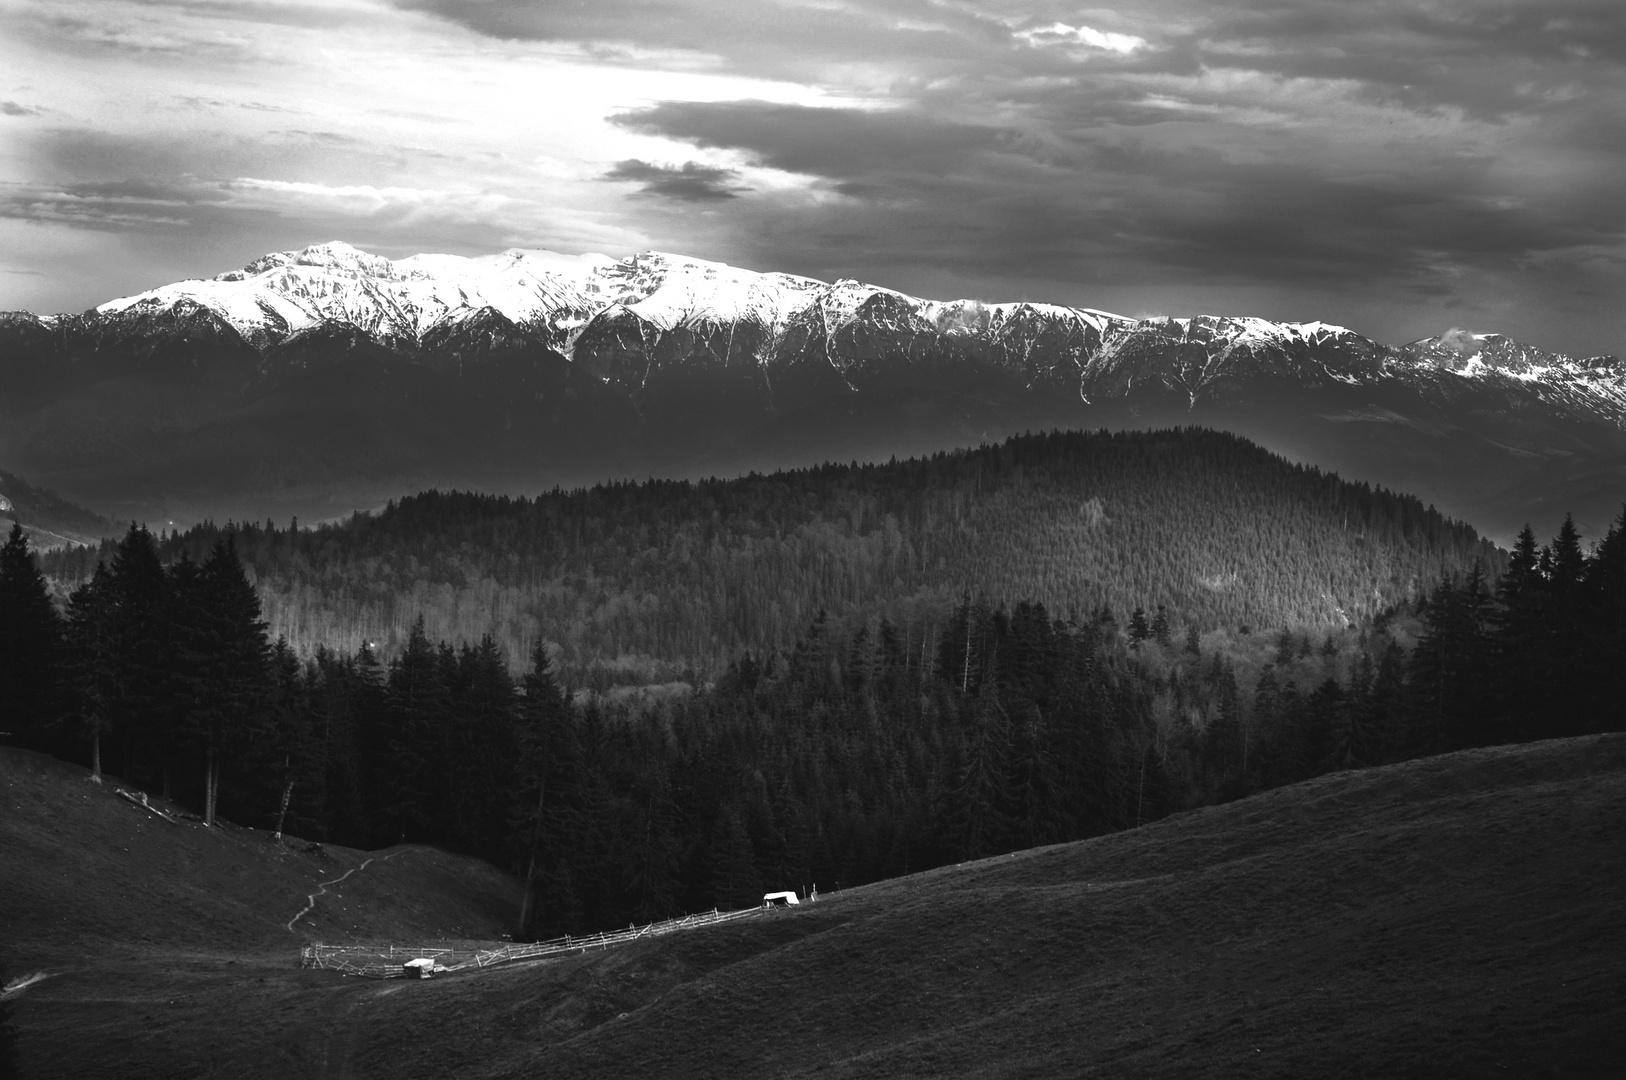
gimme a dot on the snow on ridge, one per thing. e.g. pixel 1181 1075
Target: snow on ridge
pixel 285 293
pixel 675 290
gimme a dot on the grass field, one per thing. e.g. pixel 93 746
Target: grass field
pixel 1460 916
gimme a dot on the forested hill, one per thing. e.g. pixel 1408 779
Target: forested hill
pixel 49 520
pixel 638 582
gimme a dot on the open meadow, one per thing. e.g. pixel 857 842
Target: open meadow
pixel 1452 916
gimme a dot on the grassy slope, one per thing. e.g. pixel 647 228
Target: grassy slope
pixel 1460 916
pixel 167 945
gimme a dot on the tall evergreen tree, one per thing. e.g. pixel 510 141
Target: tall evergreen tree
pixel 286 745
pixel 417 704
pixel 93 662
pixel 1161 630
pixel 1606 583
pixel 982 795
pixel 143 654
pixel 482 756
pixel 1139 631
pixel 31 646
pixel 548 760
pixel 230 666
pixel 1449 668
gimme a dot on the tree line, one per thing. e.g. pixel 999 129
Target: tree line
pixel 865 750
pixel 671 580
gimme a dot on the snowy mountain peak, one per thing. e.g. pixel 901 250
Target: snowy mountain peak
pixel 623 317
pixel 333 255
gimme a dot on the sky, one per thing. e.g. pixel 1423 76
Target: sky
pixel 1401 168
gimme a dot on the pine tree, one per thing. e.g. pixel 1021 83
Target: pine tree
pixel 1449 668
pixel 1606 585
pixel 229 666
pixel 982 792
pixel 482 769
pixel 287 746
pixel 1567 562
pixel 1286 648
pixel 93 662
pixel 416 707
pixel 548 759
pixel 735 882
pixel 143 654
pixel 1160 627
pixel 31 646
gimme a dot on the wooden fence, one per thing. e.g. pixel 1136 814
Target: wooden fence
pixel 388 961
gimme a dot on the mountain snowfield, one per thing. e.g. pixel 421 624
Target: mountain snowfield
pixel 589 306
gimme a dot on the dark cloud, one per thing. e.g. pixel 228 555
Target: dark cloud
pixel 1497 57
pixel 689 182
pixel 1289 230
pixel 1492 60
pixel 1191 209
pixel 769 39
pixel 109 206
pixel 850 146
pixel 11 108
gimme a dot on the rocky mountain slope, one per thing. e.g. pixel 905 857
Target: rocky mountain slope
pixel 327 377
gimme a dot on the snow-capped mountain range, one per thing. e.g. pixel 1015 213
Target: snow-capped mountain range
pixel 328 378
pixel 625 319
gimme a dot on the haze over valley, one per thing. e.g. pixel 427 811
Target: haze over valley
pixel 317 382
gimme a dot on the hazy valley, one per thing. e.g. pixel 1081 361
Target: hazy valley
pixel 316 382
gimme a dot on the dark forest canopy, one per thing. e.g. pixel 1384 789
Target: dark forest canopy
pixel 664 580
pixel 857 754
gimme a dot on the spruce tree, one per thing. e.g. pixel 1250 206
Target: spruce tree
pixel 547 758
pixel 286 746
pixel 143 654
pixel 93 662
pixel 1160 626
pixel 31 646
pixel 482 766
pixel 230 666
pixel 417 707
pixel 981 795
pixel 1606 586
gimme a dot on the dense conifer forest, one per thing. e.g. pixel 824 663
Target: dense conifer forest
pixel 857 753
pixel 666 581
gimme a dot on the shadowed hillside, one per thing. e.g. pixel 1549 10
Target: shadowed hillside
pixel 49 520
pixel 87 870
pixel 652 582
pixel 1454 916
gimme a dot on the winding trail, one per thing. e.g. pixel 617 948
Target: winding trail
pixel 321 886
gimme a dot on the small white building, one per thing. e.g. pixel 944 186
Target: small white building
pixel 779 899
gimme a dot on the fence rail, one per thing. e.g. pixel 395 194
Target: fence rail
pixel 388 961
